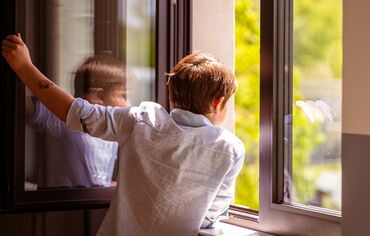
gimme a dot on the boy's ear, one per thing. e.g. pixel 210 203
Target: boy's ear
pixel 217 105
pixel 95 96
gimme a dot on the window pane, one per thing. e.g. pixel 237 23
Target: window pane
pixel 247 60
pixel 140 49
pixel 118 36
pixel 316 107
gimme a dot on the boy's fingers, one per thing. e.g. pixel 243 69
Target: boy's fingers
pixel 5 54
pixel 5 48
pixel 9 44
pixel 14 38
pixel 20 37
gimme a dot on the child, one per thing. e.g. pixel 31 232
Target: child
pixel 177 171
pixel 72 158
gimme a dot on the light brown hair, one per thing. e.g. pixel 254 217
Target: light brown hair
pixel 99 71
pixel 197 80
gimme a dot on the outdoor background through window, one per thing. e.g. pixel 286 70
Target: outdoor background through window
pixel 247 70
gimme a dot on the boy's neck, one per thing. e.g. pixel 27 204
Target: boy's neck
pixel 213 118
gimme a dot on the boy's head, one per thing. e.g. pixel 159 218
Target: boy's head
pixel 101 79
pixel 198 81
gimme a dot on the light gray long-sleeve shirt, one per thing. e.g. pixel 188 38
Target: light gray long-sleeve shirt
pixel 71 159
pixel 176 171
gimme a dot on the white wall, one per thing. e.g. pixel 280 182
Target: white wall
pixel 213 32
pixel 356 69
pixel 356 118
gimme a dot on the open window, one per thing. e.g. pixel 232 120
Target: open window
pixel 300 115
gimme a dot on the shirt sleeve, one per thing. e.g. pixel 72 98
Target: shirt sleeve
pixel 40 118
pixel 224 197
pixel 108 123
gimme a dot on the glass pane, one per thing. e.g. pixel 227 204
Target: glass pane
pixel 247 61
pixel 102 51
pixel 140 50
pixel 316 107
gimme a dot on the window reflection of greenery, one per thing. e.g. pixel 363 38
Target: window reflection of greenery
pixel 317 53
pixel 316 45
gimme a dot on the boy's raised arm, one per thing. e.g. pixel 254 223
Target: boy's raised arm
pixel 17 55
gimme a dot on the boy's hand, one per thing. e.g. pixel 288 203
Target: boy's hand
pixel 16 52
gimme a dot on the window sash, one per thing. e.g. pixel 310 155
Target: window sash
pixel 275 102
pixel 172 42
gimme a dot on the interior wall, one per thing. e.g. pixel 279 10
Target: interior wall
pixel 214 33
pixel 356 117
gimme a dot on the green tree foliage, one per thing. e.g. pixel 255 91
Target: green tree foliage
pixel 317 24
pixel 247 71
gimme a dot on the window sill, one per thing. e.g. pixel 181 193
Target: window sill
pixel 225 229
